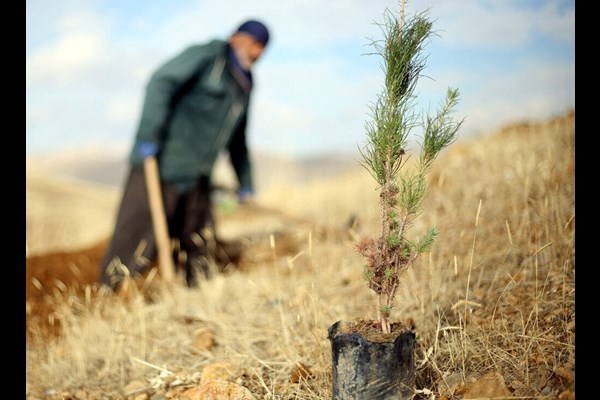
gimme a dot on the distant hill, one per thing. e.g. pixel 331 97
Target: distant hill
pixel 105 168
pixel 110 168
pixel 72 197
pixel 64 213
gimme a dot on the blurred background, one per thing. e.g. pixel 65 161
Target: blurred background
pixel 87 64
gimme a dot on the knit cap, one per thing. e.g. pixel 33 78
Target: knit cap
pixel 255 29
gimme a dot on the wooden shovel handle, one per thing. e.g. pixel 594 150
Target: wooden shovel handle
pixel 166 267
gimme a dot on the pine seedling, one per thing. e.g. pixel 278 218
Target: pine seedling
pixel 401 191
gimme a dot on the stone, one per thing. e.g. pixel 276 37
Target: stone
pixel 223 370
pixel 489 386
pixel 218 390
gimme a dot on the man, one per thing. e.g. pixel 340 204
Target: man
pixel 195 107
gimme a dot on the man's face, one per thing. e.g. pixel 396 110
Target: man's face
pixel 247 49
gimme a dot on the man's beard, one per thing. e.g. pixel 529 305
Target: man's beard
pixel 246 62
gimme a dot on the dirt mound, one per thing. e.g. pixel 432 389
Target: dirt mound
pixel 53 277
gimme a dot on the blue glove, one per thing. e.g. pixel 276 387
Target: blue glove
pixel 245 194
pixel 147 149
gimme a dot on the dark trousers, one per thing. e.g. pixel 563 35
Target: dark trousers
pixel 132 248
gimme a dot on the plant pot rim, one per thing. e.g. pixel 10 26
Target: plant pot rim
pixel 369 330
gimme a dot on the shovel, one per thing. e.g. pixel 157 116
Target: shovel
pixel 166 267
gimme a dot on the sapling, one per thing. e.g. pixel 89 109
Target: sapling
pixel 385 156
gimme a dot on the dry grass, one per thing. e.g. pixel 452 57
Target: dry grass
pixel 495 295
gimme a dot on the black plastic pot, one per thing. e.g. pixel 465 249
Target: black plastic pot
pixel 369 370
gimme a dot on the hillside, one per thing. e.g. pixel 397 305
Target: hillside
pixel 64 213
pixel 71 198
pixel 493 304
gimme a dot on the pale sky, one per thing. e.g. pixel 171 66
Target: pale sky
pixel 87 64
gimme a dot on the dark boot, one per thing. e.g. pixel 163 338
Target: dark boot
pixel 227 253
pixel 196 269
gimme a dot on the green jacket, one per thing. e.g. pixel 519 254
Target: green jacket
pixel 195 108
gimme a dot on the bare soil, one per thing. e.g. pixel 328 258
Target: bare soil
pixel 74 269
pixel 50 275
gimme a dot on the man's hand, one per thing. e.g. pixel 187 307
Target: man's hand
pixel 147 149
pixel 245 195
